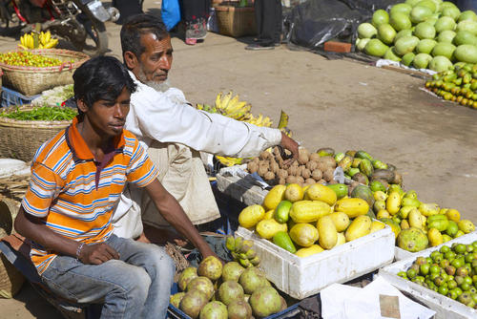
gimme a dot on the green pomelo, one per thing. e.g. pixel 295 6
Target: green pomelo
pixel 401 8
pixel 466 25
pixel 464 37
pixel 445 23
pixel 424 31
pixel 375 47
pixel 412 3
pixel 425 46
pixel 422 60
pixel 440 64
pixel 466 53
pixel 444 49
pixel 403 33
pixel 412 239
pixel 390 55
pixel 420 14
pixel 452 12
pixel 400 21
pixel 379 17
pixel 407 59
pixel 467 15
pixel 446 4
pixel 446 36
pixel 366 30
pixel 428 4
pixel 360 45
pixel 386 33
pixel 405 45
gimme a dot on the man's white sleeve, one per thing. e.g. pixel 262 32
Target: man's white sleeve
pixel 163 119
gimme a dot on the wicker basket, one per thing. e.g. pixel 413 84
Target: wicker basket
pixel 33 80
pixel 235 21
pixel 11 280
pixel 21 139
pixel 1 75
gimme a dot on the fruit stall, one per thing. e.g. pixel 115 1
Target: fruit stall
pixel 290 230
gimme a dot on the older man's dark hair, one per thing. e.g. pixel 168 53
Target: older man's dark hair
pixel 138 25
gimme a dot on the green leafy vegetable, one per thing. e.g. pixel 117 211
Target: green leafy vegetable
pixel 44 113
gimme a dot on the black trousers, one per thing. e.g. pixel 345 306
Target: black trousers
pixel 193 10
pixel 269 20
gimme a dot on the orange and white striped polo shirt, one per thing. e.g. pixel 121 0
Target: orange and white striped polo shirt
pixel 75 195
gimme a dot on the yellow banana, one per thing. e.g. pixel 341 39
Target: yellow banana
pixel 42 38
pixel 22 40
pixel 22 47
pixel 47 36
pixel 51 44
pixel 30 41
pixel 232 103
pixel 225 100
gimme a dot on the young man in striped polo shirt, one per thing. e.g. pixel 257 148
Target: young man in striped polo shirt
pixel 77 179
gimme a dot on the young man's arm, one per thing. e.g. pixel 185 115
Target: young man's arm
pixel 34 228
pixel 173 213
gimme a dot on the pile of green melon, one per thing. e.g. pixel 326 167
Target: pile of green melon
pixel 424 34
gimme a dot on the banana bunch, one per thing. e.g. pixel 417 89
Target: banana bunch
pixel 260 120
pixel 242 252
pixel 207 108
pixel 232 107
pixel 229 161
pixel 35 40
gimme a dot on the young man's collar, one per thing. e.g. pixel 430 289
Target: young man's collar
pixel 78 145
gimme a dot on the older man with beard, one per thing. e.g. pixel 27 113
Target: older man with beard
pixel 174 133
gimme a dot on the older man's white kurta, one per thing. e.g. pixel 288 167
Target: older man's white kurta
pixel 174 133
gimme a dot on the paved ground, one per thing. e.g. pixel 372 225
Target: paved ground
pixel 341 104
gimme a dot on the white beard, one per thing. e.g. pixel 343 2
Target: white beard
pixel 158 86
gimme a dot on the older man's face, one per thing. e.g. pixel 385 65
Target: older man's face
pixel 156 60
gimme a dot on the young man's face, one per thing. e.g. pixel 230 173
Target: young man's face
pixel 107 118
pixel 156 60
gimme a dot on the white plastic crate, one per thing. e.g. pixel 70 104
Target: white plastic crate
pixel 401 254
pixel 302 277
pixel 446 308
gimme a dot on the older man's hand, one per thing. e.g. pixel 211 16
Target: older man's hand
pixel 292 146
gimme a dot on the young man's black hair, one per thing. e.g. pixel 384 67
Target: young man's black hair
pixel 101 78
pixel 138 25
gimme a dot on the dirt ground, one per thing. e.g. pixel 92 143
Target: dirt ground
pixel 343 104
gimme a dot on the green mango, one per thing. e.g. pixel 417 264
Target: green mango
pixel 363 154
pixel 281 214
pixel 377 186
pixel 363 192
pixel 366 167
pixel 410 202
pixel 282 239
pixel 378 164
pixel 338 157
pixel 346 162
pixel 352 171
pixel 341 190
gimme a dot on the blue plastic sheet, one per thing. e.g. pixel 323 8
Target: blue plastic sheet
pixel 170 13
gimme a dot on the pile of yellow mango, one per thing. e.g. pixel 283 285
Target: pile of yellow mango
pixel 427 223
pixel 308 220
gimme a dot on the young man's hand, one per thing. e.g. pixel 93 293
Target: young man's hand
pixel 292 146
pixel 97 254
